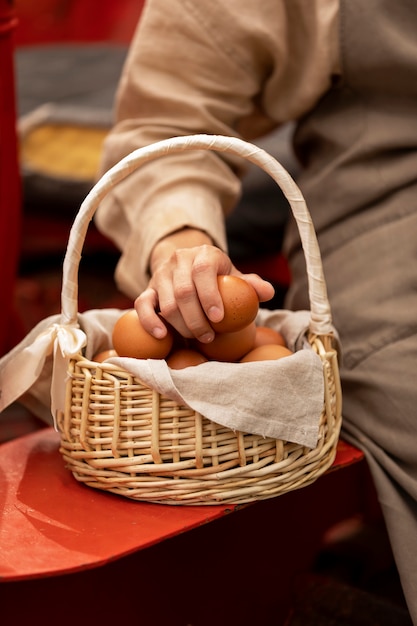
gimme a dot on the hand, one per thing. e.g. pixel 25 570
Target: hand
pixel 183 287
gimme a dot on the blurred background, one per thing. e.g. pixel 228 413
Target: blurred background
pixel 56 21
pixel 60 61
pixel 68 56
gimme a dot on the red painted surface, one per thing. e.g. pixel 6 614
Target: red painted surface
pixel 10 200
pixel 159 565
pixel 346 455
pixel 51 524
pixel 64 21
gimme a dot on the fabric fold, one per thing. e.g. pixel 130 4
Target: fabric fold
pixel 281 399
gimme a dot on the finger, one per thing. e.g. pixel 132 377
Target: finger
pixel 146 305
pixel 207 266
pixel 263 288
pixel 168 305
pixel 188 300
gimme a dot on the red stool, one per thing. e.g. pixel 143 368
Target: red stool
pixel 71 552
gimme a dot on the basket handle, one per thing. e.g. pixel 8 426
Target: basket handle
pixel 321 320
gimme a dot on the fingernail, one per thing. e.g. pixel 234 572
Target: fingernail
pixel 206 338
pixel 158 332
pixel 214 314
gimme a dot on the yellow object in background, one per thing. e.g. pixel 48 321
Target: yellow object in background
pixel 63 150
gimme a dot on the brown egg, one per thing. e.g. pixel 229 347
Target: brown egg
pixel 105 354
pixel 240 302
pixel 185 357
pixel 267 336
pixel 229 346
pixel 269 352
pixel 131 339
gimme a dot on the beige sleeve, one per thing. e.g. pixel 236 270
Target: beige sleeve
pixel 201 67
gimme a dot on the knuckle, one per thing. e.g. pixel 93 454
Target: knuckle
pixel 142 297
pixel 168 309
pixel 201 265
pixel 184 292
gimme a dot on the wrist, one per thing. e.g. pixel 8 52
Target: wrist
pixel 184 238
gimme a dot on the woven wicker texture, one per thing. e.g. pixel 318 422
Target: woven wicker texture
pixel 119 435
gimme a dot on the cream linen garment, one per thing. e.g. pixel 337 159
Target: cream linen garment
pixel 202 67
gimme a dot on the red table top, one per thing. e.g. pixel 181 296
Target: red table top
pixel 51 524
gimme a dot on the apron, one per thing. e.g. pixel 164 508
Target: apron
pixel 358 148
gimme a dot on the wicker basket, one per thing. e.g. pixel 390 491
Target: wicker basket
pixel 119 435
